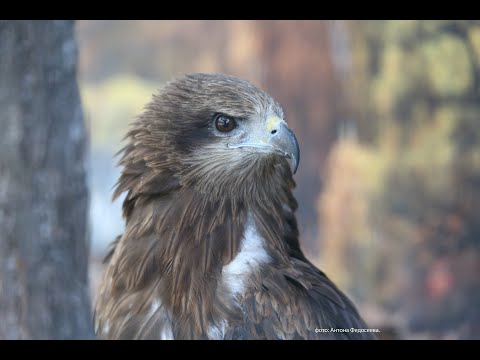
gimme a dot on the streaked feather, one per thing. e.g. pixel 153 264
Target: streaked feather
pixel 186 208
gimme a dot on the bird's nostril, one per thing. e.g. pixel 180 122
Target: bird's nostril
pixel 274 131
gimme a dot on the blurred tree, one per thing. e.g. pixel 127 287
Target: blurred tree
pixel 43 195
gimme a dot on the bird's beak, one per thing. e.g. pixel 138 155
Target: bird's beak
pixel 274 137
pixel 283 140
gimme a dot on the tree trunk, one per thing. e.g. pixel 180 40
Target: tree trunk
pixel 44 290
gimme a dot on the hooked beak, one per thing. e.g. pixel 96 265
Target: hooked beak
pixel 284 141
pixel 274 137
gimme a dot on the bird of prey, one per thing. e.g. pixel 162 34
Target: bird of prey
pixel 211 249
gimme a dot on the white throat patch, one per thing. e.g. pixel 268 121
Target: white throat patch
pixel 252 254
pixel 235 275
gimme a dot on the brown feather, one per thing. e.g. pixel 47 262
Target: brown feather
pixel 186 208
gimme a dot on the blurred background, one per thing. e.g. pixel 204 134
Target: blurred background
pixel 387 114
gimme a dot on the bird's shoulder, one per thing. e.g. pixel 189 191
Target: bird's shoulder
pixel 297 302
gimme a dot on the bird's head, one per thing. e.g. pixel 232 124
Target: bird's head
pixel 216 131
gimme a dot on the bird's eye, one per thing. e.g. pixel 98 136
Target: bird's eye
pixel 224 123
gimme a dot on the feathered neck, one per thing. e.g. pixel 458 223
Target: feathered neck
pixel 185 221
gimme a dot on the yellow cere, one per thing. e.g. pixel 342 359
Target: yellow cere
pixel 273 121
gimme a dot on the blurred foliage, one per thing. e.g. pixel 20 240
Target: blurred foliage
pixel 344 211
pixel 401 228
pixel 112 104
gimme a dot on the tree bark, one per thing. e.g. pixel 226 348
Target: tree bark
pixel 44 290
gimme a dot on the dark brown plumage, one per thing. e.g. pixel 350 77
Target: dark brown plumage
pixel 210 249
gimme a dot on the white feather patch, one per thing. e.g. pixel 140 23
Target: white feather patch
pixel 217 332
pixel 251 255
pixel 106 328
pixel 166 331
pixel 154 307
